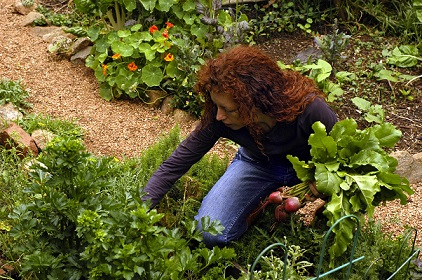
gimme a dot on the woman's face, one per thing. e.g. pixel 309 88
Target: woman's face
pixel 227 111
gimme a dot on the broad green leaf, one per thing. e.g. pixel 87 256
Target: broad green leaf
pixel 122 48
pixel 105 92
pixel 146 49
pixel 123 33
pixel 93 33
pixel 130 5
pixel 368 186
pixel 404 56
pixel 304 171
pixel 361 103
pixel 343 128
pixel 387 134
pixel 386 75
pixel 149 5
pixel 370 158
pixel 152 75
pixel 327 182
pixel 323 147
pixel 165 5
pixel 172 69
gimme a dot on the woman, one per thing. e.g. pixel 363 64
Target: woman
pixel 268 112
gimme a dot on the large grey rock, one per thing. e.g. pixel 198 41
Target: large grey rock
pixel 42 138
pixel 409 166
pixel 9 113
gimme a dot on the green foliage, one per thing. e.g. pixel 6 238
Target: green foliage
pixel 333 45
pixel 63 128
pixel 158 45
pixel 403 56
pixel 65 180
pixel 53 18
pixel 320 72
pixel 373 113
pixel 15 93
pixel 396 18
pixel 352 168
pixel 83 217
pixel 284 16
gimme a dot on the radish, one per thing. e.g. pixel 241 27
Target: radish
pixel 280 213
pixel 292 204
pixel 275 197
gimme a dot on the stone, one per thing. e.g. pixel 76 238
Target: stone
pixel 15 137
pixel 181 116
pixel 409 166
pixel 155 97
pixel 42 137
pixel 80 57
pixel 47 33
pixel 80 44
pixel 31 17
pixel 166 106
pixel 23 10
pixel 9 113
pixel 308 55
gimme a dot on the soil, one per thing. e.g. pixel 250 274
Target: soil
pixel 125 128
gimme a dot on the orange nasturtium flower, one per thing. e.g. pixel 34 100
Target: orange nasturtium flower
pixel 104 66
pixel 132 66
pixel 169 24
pixel 166 33
pixel 116 56
pixel 169 57
pixel 152 29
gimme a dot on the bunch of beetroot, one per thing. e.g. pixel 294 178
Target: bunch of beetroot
pixel 289 200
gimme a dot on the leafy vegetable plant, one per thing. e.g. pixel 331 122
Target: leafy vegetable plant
pixel 351 167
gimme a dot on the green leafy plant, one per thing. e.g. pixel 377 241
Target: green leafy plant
pixel 320 72
pixel 351 167
pixel 44 229
pixel 158 45
pixel 14 92
pixel 285 16
pixel 403 56
pixel 333 45
pixel 373 113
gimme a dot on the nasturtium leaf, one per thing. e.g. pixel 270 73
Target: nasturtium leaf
pixel 152 75
pixel 172 70
pixel 130 5
pixel 165 5
pixel 148 4
pixel 123 33
pixel 105 92
pixel 145 48
pixel 122 48
pixel 327 182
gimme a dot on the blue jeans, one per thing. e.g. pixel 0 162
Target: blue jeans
pixel 238 192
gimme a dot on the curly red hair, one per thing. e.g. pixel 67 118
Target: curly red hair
pixel 256 83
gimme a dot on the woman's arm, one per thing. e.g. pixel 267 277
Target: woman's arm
pixel 190 151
